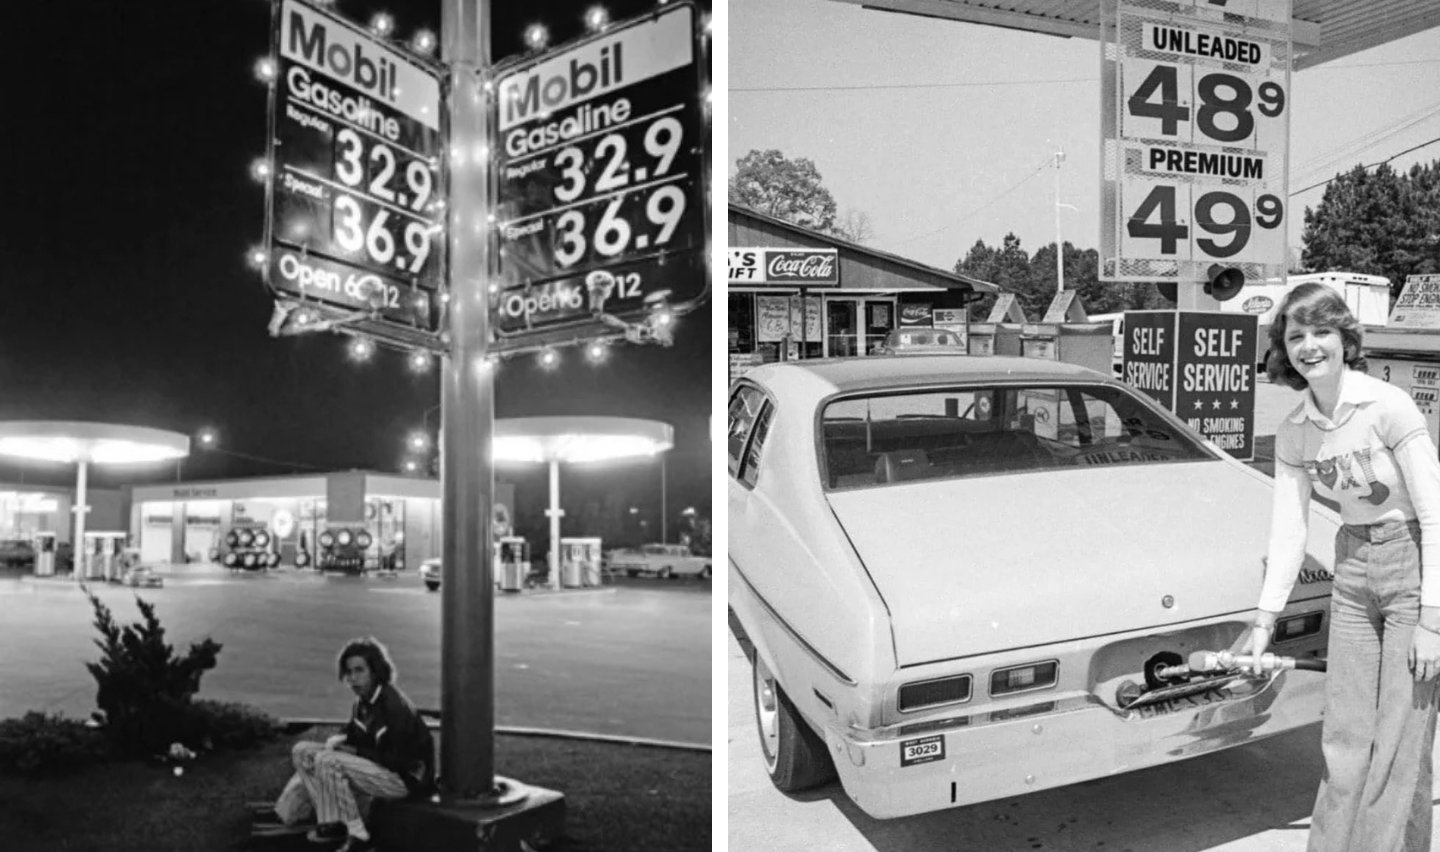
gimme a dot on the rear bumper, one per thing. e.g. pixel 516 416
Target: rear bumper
pixel 1063 740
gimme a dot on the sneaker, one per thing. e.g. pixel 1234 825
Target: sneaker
pixel 355 844
pixel 328 832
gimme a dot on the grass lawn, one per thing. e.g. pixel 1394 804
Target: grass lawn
pixel 618 799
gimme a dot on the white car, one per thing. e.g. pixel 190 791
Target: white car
pixel 666 561
pixel 963 579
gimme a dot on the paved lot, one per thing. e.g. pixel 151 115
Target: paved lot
pixel 631 659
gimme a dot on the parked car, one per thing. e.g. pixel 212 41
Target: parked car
pixel 666 561
pixel 430 573
pixel 957 580
pixel 16 553
pixel 921 341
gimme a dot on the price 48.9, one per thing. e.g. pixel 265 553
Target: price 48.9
pixel 1228 109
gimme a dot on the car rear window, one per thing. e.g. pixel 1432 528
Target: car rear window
pixel 950 434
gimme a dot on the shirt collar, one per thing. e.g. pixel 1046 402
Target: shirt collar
pixel 1355 391
pixel 375 696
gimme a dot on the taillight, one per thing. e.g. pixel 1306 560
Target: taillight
pixel 1023 678
pixel 934 693
pixel 1298 626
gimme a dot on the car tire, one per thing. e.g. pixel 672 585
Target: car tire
pixel 794 755
pixel 705 573
pixel 432 585
pixel 666 573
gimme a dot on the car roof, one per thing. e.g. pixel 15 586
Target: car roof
pixel 824 377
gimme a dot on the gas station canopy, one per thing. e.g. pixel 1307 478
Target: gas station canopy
pixel 579 439
pixel 1323 29
pixel 101 443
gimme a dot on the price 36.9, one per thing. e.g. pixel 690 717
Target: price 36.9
pixel 608 228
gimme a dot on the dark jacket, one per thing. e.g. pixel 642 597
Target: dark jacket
pixel 386 728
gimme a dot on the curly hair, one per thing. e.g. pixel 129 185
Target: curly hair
pixel 1318 305
pixel 375 655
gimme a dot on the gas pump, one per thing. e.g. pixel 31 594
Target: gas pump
pixel 514 563
pixel 44 543
pixel 100 556
pixel 580 563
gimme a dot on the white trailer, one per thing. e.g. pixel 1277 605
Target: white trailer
pixel 1367 295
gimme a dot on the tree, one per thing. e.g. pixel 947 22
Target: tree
pixel 855 226
pixel 1378 223
pixel 767 182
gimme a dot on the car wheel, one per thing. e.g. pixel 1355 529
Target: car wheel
pixel 666 573
pixel 705 573
pixel 632 573
pixel 795 757
pixel 432 585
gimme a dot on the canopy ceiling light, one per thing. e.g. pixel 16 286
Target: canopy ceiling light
pixel 576 440
pixel 83 444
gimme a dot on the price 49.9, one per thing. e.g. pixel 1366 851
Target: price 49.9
pixel 1224 224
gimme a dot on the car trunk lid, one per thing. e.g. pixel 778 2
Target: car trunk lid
pixel 978 565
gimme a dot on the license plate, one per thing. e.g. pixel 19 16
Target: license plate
pixel 1187 702
pixel 923 750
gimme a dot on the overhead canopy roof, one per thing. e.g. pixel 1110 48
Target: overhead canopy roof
pixel 579 439
pixel 102 443
pixel 1323 29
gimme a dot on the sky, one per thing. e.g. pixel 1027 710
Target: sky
pixel 130 131
pixel 941 131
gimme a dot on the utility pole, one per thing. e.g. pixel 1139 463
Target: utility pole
pixel 1059 243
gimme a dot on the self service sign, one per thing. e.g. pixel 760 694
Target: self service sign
pixel 1195 117
pixel 601 174
pixel 357 192
pixel 1201 366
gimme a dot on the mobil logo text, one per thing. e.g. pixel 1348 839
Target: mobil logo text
pixel 599 67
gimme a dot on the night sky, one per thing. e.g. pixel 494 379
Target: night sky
pixel 128 136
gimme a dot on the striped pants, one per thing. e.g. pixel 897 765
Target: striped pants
pixel 336 786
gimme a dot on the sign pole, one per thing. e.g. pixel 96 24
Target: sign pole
pixel 467 416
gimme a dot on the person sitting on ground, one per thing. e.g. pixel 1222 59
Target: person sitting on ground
pixel 385 752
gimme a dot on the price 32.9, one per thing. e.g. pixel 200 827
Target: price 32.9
pixel 662 140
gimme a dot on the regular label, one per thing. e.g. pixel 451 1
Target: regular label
pixel 923 750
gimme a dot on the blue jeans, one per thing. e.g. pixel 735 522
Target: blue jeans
pixel 1379 724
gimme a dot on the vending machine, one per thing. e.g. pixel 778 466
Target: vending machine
pixel 44 543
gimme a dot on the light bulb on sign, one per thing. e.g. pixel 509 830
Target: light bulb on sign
pixel 266 70
pixel 596 18
pixel 258 257
pixel 536 36
pixel 420 362
pixel 382 24
pixel 361 349
pixel 424 43
pixel 549 359
pixel 260 169
pixel 597 352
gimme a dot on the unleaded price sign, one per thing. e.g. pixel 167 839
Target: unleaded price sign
pixel 601 174
pixel 357 191
pixel 1197 127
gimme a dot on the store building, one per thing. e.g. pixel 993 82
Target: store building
pixel 29 509
pixel 853 295
pixel 187 522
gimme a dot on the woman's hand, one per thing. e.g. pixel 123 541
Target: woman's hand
pixel 1256 641
pixel 335 742
pixel 1425 654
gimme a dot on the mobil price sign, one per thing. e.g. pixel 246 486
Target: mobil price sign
pixel 1197 128
pixel 601 174
pixel 1201 366
pixel 357 191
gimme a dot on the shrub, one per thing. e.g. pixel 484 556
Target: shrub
pixel 233 726
pixel 37 744
pixel 144 689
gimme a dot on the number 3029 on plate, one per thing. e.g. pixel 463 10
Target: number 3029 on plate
pixel 922 750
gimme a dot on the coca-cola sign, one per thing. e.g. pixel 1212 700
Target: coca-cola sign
pixel 802 266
